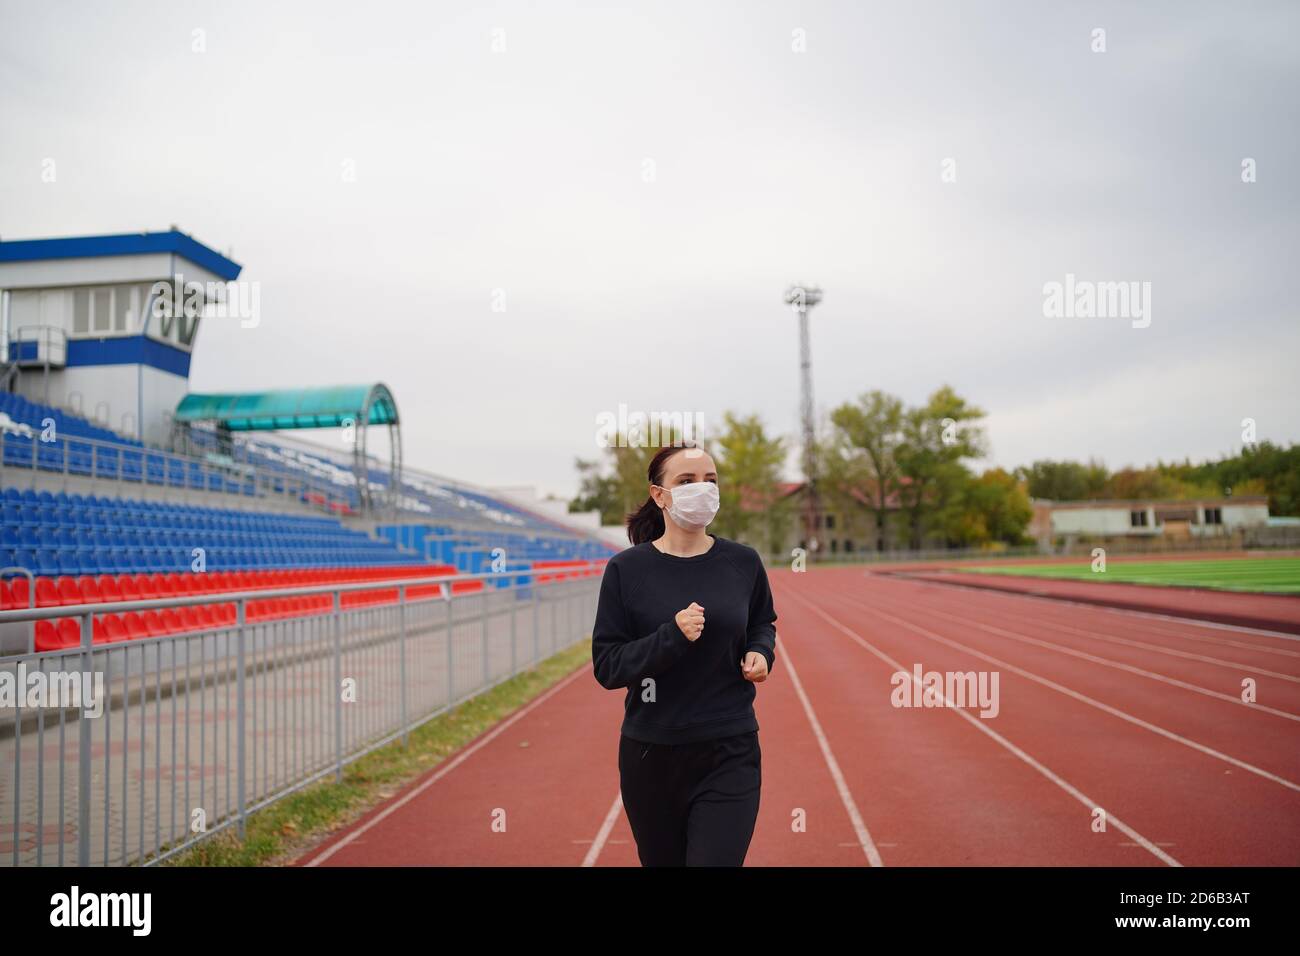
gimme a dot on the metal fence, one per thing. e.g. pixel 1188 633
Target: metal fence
pixel 142 748
pixel 1154 545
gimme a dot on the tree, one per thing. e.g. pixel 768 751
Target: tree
pixel 597 492
pixel 936 437
pixel 1065 480
pixel 617 485
pixel 749 464
pixel 994 507
pixel 860 455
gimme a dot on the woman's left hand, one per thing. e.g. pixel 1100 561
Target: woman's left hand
pixel 754 667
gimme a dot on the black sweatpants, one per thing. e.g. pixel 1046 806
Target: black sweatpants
pixel 691 804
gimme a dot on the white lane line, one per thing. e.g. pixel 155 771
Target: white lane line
pixel 605 829
pixel 1107 662
pixel 1217 641
pixel 448 768
pixel 841 786
pixel 1171 618
pixel 1168 651
pixel 846 797
pixel 975 722
pixel 1084 698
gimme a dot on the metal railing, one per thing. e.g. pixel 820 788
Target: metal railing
pixel 51 343
pixel 142 748
pixel 94 466
pixel 51 349
pixel 1155 545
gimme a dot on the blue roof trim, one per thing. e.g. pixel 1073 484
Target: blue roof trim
pixel 128 244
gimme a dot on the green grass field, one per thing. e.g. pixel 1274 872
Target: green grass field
pixel 1263 575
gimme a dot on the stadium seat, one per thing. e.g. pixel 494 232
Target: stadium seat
pixel 47 637
pixel 70 632
pixel 135 625
pixel 68 591
pixel 114 629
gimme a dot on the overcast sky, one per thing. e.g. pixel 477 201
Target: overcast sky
pixel 637 184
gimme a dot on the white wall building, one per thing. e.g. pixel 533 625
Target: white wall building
pixel 86 328
pixel 1206 517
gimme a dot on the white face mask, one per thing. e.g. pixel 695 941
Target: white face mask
pixel 695 504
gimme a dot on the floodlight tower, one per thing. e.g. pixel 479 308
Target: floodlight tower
pixel 801 299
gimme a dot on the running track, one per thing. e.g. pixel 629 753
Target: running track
pixel 1136 714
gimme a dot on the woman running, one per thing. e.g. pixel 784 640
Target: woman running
pixel 688 758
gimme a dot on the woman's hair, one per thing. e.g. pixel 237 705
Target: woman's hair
pixel 647 522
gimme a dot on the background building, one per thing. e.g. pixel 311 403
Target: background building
pixel 1065 521
pixel 83 332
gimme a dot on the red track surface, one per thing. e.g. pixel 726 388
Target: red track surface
pixel 1269 611
pixel 1135 714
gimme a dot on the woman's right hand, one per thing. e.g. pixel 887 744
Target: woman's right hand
pixel 690 621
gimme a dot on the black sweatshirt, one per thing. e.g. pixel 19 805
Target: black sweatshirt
pixel 678 690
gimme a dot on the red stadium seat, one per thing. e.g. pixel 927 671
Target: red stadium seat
pixel 56 635
pixel 69 593
pixel 162 587
pixel 46 636
pixel 108 590
pixel 70 632
pixel 98 633
pixel 135 626
pixel 127 588
pixel 47 594
pixel 113 628
pixel 89 588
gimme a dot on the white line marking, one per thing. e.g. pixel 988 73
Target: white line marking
pixel 1084 698
pixel 1182 634
pixel 1172 618
pixel 450 765
pixel 1107 662
pixel 859 828
pixel 841 786
pixel 605 828
pixel 1170 651
pixel 975 722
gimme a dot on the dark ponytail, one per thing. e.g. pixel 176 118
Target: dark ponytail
pixel 647 522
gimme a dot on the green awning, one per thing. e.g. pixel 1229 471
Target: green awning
pixel 331 407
